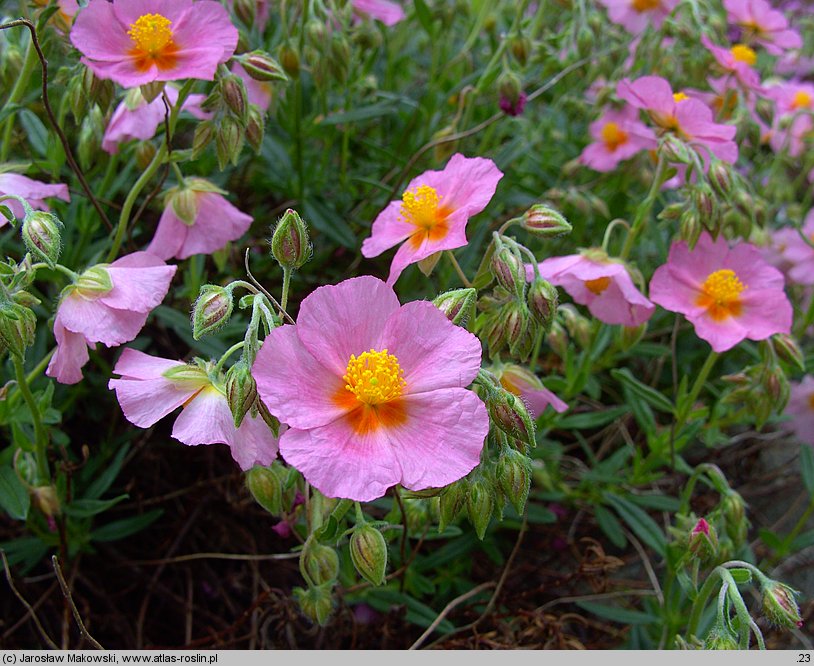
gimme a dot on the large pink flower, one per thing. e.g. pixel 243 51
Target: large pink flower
pixel 525 384
pixel 109 303
pixel 737 61
pixel 727 293
pixel 373 392
pixel 151 387
pixel 385 11
pixel 433 211
pixel 636 15
pixel 794 255
pixel 690 119
pixel 618 135
pixel 33 191
pixel 134 42
pixel 801 409
pixel 135 118
pixel 213 223
pixel 603 285
pixel 763 25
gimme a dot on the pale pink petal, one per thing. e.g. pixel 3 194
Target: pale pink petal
pixel 146 401
pixel 218 222
pixel 385 11
pixel 253 443
pixel 138 289
pixel 388 230
pixel 134 364
pixel 465 182
pixel 170 236
pixel 205 37
pixel 99 323
pixel 129 11
pixel 99 34
pixel 538 399
pixel 70 356
pixel 648 92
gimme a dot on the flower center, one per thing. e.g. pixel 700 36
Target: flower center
pixel 743 53
pixel 645 5
pixel 613 136
pixel 801 100
pixel 374 377
pixel 420 207
pixel 721 294
pixel 598 285
pixel 679 97
pixel 151 35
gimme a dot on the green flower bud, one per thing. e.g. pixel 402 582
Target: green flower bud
pixel 339 57
pixel 509 86
pixel 514 477
pixel 316 603
pixel 233 91
pixel 457 305
pixel 690 227
pixel 228 142
pixel 542 299
pixel 245 10
pixel 720 177
pixel 150 91
pixel 368 551
pixel 509 413
pixel 91 132
pixel 290 61
pixel 515 321
pixel 675 150
pixel 703 541
pixel 290 245
pixel 184 203
pixel 318 563
pixel 521 47
pixel 41 236
pixel 704 201
pixel 212 310
pixel 266 488
pixel 452 502
pixel 255 128
pixel 788 350
pixel 720 638
pixel 241 391
pixel 780 605
pixel 508 269
pixel 480 504
pixel 94 281
pixel 262 67
pixel 17 328
pixel 144 154
pixel 544 221
pixel 204 134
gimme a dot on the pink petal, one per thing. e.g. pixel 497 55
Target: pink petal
pixel 138 289
pixel 537 400
pixel 146 401
pixel 465 182
pixel 388 230
pixel 99 323
pixel 70 356
pixel 170 236
pixel 134 364
pixel 129 11
pixel 385 11
pixel 99 34
pixel 218 222
pixel 253 443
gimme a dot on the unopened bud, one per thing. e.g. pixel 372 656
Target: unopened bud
pixel 780 605
pixel 228 142
pixel 788 350
pixel 515 322
pixel 262 67
pixel 720 638
pixel 513 474
pixel 520 46
pixel 704 201
pixel 579 328
pixel 290 245
pixel 457 305
pixel 94 281
pixel 703 541
pixel 672 211
pixel 211 311
pixel 150 91
pixel 509 413
pixel 204 134
pixel 509 86
pixel 452 502
pixel 675 150
pixel 241 391
pixel 41 236
pixel 690 227
pixel 266 488
pixel 316 603
pixel 720 178
pixel 290 61
pixel 318 563
pixel 558 339
pixel 508 269
pixel 544 221
pixel 47 500
pixel 91 132
pixel 233 91
pixel 542 299
pixel 144 154
pixel 245 10
pixel 480 504
pixel 17 327
pixel 368 551
pixel 255 128
pixel 184 203
pixel 339 57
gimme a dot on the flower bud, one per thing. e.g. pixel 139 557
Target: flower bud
pixel 290 245
pixel 780 606
pixel 245 10
pixel 675 150
pixel 720 178
pixel 704 201
pixel 228 142
pixel 94 281
pixel 690 227
pixel 290 61
pixel 316 603
pixel 514 477
pixel 515 322
pixel 42 237
pixel 339 57
pixel 255 128
pixel 204 134
pixel 480 503
pixel 184 203
pixel 271 421
pixel 521 47
pixel 150 91
pixel 558 339
pixel 211 311
pixel 241 391
pixel 544 221
pixel 720 638
pixel 703 541
pixel 579 328
pixel 368 551
pixel 542 299
pixel 451 502
pixel 672 211
pixel 262 67
pixel 457 305
pixel 233 91
pixel 47 500
pixel 788 350
pixel 144 154
pixel 266 488
pixel 509 87
pixel 509 413
pixel 508 269
pixel 17 328
pixel 318 563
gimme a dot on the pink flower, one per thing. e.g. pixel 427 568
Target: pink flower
pixel 385 11
pixel 134 42
pixel 738 61
pixel 197 219
pixel 794 116
pixel 33 191
pixel 763 25
pixel 688 118
pixel 433 212
pixel 525 384
pixel 602 284
pixel 727 293
pixel 373 392
pixel 794 255
pixel 801 409
pixel 618 135
pixel 152 387
pixel 108 303
pixel 636 15
pixel 135 118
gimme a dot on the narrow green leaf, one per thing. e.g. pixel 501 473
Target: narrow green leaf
pixel 611 526
pixel 424 16
pixel 593 419
pixel 106 478
pixel 13 495
pixel 119 529
pixel 642 525
pixel 616 614
pixel 35 131
pixel 653 397
pixel 807 467
pixel 85 508
pixel 417 613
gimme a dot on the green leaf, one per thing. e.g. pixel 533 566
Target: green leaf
pixel 328 222
pixel 106 478
pixel 616 614
pixel 362 113
pixel 771 539
pixel 611 526
pixel 417 613
pixel 27 551
pixel 741 576
pixel 35 131
pixel 658 502
pixel 807 467
pixel 119 529
pixel 593 419
pixel 85 508
pixel 642 525
pixel 539 515
pixel 424 16
pixel 653 397
pixel 13 494
pixel 803 540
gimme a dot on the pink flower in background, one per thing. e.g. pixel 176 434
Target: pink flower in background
pixel 525 384
pixel 605 286
pixel 801 409
pixel 385 11
pixel 688 118
pixel 373 392
pixel 433 212
pixel 197 219
pixel 727 293
pixel 763 25
pixel 259 92
pixel 793 255
pixel 134 42
pixel 636 16
pixel 794 116
pixel 135 118
pixel 738 61
pixel 152 387
pixel 108 303
pixel 618 135
pixel 33 191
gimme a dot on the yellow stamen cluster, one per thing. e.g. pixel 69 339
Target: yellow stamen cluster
pixel 613 136
pixel 420 206
pixel 743 53
pixel 151 33
pixel 598 285
pixel 801 100
pixel 679 97
pixel 720 294
pixel 374 377
pixel 645 5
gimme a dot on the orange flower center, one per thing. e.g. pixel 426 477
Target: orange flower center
pixel 720 294
pixel 743 53
pixel 801 100
pixel 421 208
pixel 374 377
pixel 151 35
pixel 613 136
pixel 598 285
pixel 645 5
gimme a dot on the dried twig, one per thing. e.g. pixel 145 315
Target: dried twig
pixel 447 609
pixel 22 599
pixel 67 592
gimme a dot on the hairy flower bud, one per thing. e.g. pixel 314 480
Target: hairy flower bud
pixel 509 413
pixel 720 638
pixel 720 177
pixel 184 204
pixel 675 150
pixel 704 201
pixel 266 488
pixel 508 269
pixel 204 134
pixel 262 67
pixel 368 551
pixel 255 128
pixel 290 245
pixel 212 310
pixel 544 221
pixel 316 602
pixel 318 563
pixel 17 327
pixel 241 391
pixel 228 142
pixel 513 474
pixel 41 236
pixel 457 305
pixel 233 91
pixel 542 299
pixel 480 504
pixel 451 502
pixel 788 350
pixel 703 541
pixel 690 227
pixel 521 47
pixel 780 605
pixel 290 61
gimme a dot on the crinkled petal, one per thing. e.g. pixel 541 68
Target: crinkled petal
pixel 170 236
pixel 99 323
pixel 70 356
pixel 388 230
pixel 138 289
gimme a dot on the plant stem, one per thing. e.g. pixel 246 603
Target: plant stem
pixel 696 389
pixel 40 434
pixel 458 268
pixel 235 347
pixel 286 287
pixel 643 212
